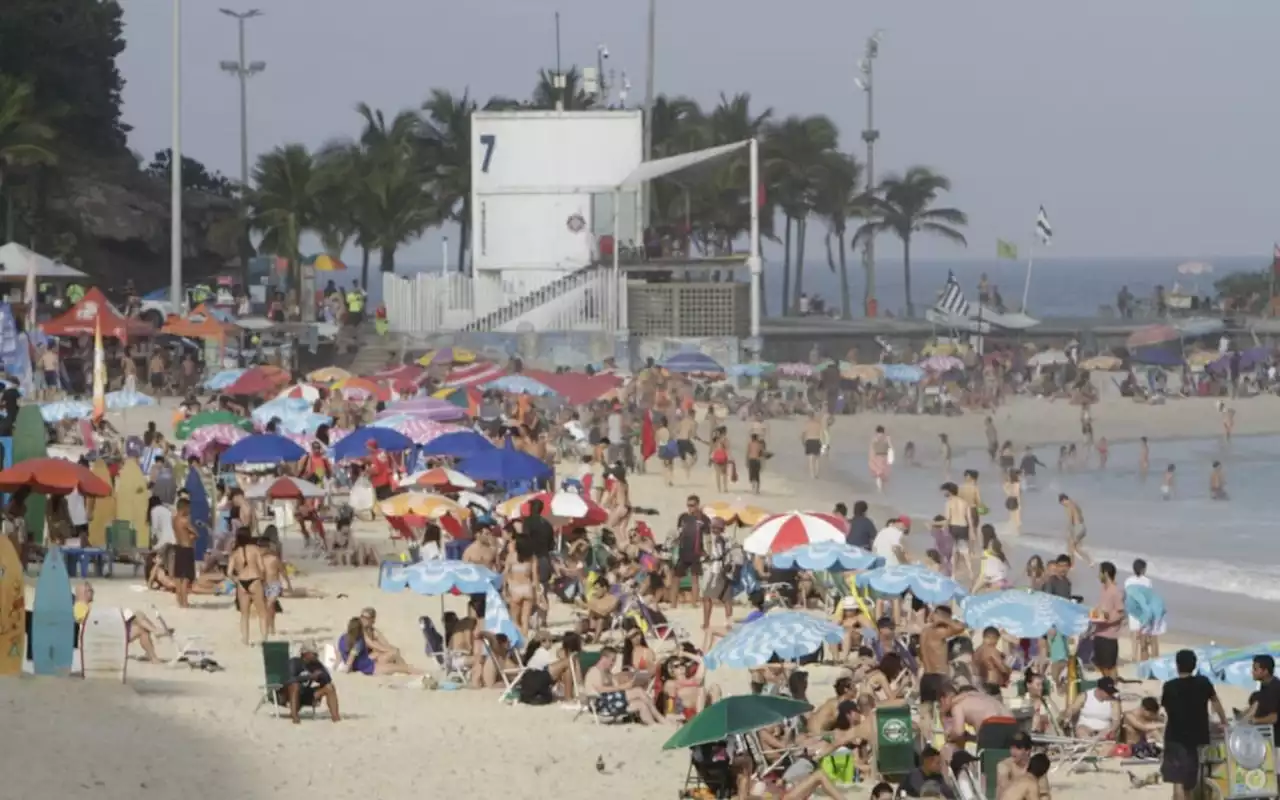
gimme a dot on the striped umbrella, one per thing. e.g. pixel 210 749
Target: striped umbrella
pixel 473 375
pixel 300 391
pixel 328 374
pixel 561 508
pixel 422 504
pixel 420 430
pixel 446 356
pixel 222 435
pixel 441 478
pixel 784 531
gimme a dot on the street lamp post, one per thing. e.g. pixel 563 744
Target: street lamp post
pixel 865 82
pixel 175 167
pixel 244 70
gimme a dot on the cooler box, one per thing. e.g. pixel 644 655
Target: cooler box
pixel 895 742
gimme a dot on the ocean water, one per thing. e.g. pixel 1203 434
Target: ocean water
pixel 1189 540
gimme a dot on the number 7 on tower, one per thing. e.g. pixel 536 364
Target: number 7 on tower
pixel 487 141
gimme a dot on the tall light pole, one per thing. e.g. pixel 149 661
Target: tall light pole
pixel 244 70
pixel 865 82
pixel 649 88
pixel 175 167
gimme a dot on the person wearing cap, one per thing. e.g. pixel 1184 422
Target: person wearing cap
pixel 308 683
pixel 1015 766
pixel 1096 714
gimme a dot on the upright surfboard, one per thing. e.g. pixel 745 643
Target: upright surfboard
pixel 201 513
pixel 132 497
pixel 30 440
pixel 104 644
pixel 53 621
pixel 13 610
pixel 104 509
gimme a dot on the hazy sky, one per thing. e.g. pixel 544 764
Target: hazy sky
pixel 1145 127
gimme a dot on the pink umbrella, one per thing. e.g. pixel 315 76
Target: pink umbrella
pixel 792 529
pixel 941 363
pixel 421 431
pixel 404 372
pixel 473 375
pixel 222 435
pixel 432 408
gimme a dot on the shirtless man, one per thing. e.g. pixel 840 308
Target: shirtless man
pixel 1217 482
pixel 481 551
pixel 988 663
pixel 686 432
pixel 959 515
pixel 971 493
pixel 811 441
pixel 1032 785
pixel 614 693
pixel 824 718
pixel 184 554
pixel 1013 769
pixel 934 666
pixel 1076 530
pixel 966 708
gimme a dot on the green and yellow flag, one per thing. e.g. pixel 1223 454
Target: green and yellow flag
pixel 1007 250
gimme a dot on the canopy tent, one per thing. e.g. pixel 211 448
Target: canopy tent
pixel 93 310
pixel 199 326
pixel 16 263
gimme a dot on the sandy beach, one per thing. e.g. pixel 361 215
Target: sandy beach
pixel 172 731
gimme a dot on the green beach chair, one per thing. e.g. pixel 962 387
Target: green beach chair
pixel 275 667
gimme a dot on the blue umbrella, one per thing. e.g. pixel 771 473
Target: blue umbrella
pixel 223 379
pixel 902 373
pixel 505 465
pixel 1145 605
pixel 520 384
pixel 279 407
pixel 65 409
pixel 1239 673
pixel 692 361
pixel 1164 668
pixel 789 635
pixel 439 577
pixel 827 555
pixel 460 444
pixel 1025 614
pixel 497 618
pixel 926 585
pixel 301 421
pixel 264 448
pixel 128 399
pixel 1220 661
pixel 356 443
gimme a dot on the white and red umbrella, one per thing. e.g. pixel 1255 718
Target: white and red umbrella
pixel 562 508
pixel 304 391
pixel 473 375
pixel 286 488
pixel 792 529
pixel 441 479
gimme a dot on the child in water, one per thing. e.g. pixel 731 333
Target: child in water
pixel 1166 486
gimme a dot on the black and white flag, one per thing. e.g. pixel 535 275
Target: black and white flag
pixel 1043 229
pixel 952 299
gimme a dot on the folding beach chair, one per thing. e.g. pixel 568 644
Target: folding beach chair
pixel 510 675
pixel 587 702
pixel 275 667
pixel 1069 752
pixel 434 645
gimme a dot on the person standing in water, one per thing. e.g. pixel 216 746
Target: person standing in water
pixel 880 457
pixel 1218 482
pixel 811 440
pixel 1103 449
pixel 1228 420
pixel 1027 467
pixel 1144 458
pixel 1076 530
pixel 756 452
pixel 971 493
pixel 1166 485
pixel 946 456
pixel 993 439
pixel 958 516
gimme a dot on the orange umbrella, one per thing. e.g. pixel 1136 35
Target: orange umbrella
pixel 262 380
pixel 53 476
pixel 351 387
pixel 198 327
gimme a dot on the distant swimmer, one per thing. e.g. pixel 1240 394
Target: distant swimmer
pixel 1166 485
pixel 1076 530
pixel 1218 482
pixel 1144 458
pixel 1028 467
pixel 1103 449
pixel 946 456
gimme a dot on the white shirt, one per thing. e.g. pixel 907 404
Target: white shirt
pixel 76 510
pixel 885 544
pixel 541 659
pixel 614 427
pixel 162 526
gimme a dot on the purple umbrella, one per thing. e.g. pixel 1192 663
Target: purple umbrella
pixel 432 408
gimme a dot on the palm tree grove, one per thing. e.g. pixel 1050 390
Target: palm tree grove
pixel 408 170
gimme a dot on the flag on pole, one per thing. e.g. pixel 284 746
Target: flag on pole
pixel 1043 229
pixel 952 300
pixel 99 373
pixel 1007 250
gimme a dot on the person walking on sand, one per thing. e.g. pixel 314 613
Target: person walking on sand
pixel 971 493
pixel 957 514
pixel 184 553
pixel 993 438
pixel 246 569
pixel 1228 420
pixel 686 432
pixel 811 440
pixel 1218 483
pixel 880 457
pixel 756 454
pixel 1076 530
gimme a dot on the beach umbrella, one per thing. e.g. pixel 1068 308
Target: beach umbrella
pixel 505 465
pixel 1152 334
pixel 1145 605
pixel 259 382
pixel 188 427
pixel 1164 668
pixel 795 528
pixel 941 363
pixel 561 508
pixel 497 618
pixel 301 422
pixel 446 356
pixel 473 375
pixel 360 388
pixel 356 443
pixel 736 715
pixel 432 408
pixel 735 512
pixel 788 635
pixel 861 372
pixel 53 476
pixel 755 369
pixel 300 391
pixel 1226 658
pixel 902 373
pixel 1101 363
pixel 223 435
pixel 221 380
pixel 1048 358
pixel 693 363
pixel 795 369
pixel 65 409
pixel 471 499
pixel 328 374
pixel 263 448
pixel 1025 614
pixel 459 396
pixel 520 384
pixel 285 488
pixel 442 479
pixel 827 555
pixel 439 577
pixel 325 263
pixel 422 504
pixel 1157 356
pixel 459 444
pixel 401 372
pixel 126 398
pixel 420 431
pixel 926 585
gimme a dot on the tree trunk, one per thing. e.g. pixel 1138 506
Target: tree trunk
pixel 802 225
pixel 786 269
pixel 464 235
pixel 906 274
pixel 364 268
pixel 388 259
pixel 846 300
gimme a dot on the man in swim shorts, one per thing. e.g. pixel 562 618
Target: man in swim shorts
pixel 1076 530
pixel 811 440
pixel 686 429
pixel 958 514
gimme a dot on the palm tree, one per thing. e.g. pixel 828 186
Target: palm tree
pixel 839 197
pixel 797 149
pixel 545 94
pixel 678 127
pixel 903 207
pixel 24 139
pixel 720 195
pixel 342 200
pixel 447 136
pixel 282 203
pixel 397 180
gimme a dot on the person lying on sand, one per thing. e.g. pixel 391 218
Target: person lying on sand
pixel 141 629
pixel 211 581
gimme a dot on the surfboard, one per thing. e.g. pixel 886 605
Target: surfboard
pixel 104 509
pixel 53 621
pixel 13 610
pixel 132 496
pixel 30 440
pixel 104 644
pixel 201 513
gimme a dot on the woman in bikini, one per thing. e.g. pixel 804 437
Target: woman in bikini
pixel 617 498
pixel 684 689
pixel 637 656
pixel 719 458
pixel 518 580
pixel 275 577
pixel 888 682
pixel 247 569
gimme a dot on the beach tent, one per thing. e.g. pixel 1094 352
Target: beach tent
pixel 93 310
pixel 16 261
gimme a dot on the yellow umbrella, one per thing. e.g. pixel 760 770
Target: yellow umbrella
pixel 1103 363
pixel 327 263
pixel 328 375
pixel 510 509
pixel 939 349
pixel 861 372
pixel 735 512
pixel 1202 358
pixel 431 506
pixel 447 356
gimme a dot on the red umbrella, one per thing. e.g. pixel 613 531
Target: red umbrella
pixel 1152 334
pixel 405 372
pixel 473 375
pixel 793 529
pixel 53 476
pixel 259 381
pixel 289 488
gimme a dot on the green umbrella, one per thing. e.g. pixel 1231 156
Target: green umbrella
pixel 742 713
pixel 188 426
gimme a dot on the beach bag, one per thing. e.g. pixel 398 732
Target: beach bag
pixel 889 457
pixel 841 767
